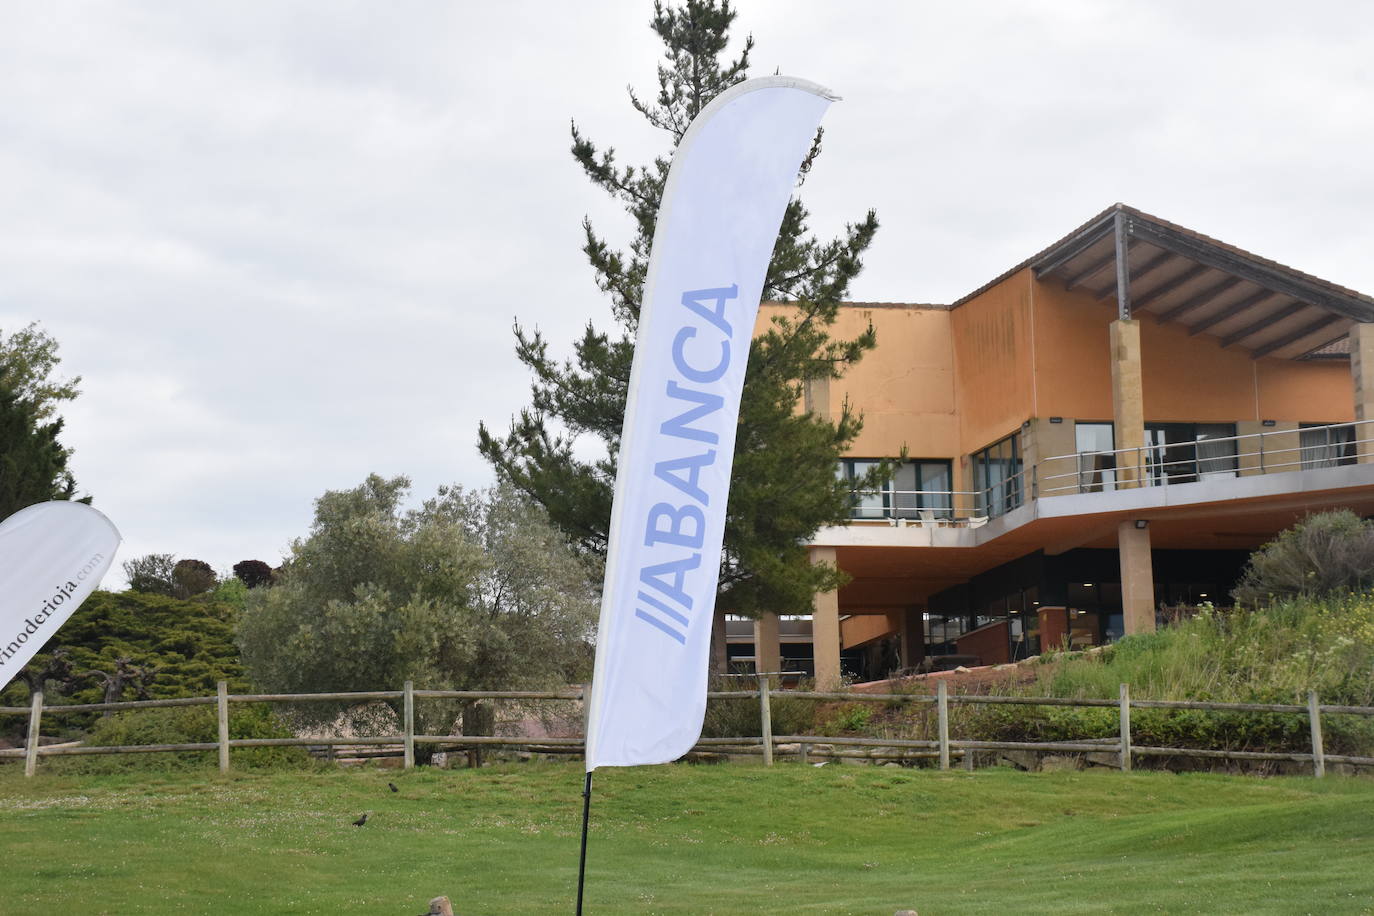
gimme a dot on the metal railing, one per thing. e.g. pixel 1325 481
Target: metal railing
pixel 945 506
pixel 1154 465
pixel 1251 454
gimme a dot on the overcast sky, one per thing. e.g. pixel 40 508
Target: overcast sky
pixel 284 243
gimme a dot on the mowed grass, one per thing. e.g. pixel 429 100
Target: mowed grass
pixel 686 839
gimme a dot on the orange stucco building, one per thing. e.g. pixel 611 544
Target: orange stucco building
pixel 1102 432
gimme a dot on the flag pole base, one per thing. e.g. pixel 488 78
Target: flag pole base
pixel 582 861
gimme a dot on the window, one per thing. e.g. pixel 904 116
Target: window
pixel 1326 446
pixel 915 487
pixel 1094 443
pixel 997 476
pixel 1186 452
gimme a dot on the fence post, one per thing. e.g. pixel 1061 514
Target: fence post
pixel 766 720
pixel 1314 715
pixel 1125 728
pixel 408 717
pixel 222 709
pixel 804 751
pixel 31 744
pixel 942 717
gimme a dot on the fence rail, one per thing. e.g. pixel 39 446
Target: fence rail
pixel 943 747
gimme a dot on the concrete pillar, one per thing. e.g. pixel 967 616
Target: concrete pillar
pixel 767 647
pixel 1128 404
pixel 1274 450
pixel 825 628
pixel 1055 441
pixel 1054 628
pixel 913 634
pixel 816 397
pixel 720 657
pixel 1362 372
pixel 1137 578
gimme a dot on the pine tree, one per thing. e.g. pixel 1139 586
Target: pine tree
pixel 784 486
pixel 33 464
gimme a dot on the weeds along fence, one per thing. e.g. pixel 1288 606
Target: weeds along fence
pixel 943 748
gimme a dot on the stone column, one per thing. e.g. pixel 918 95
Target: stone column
pixel 720 657
pixel 767 647
pixel 913 632
pixel 1137 578
pixel 825 628
pixel 1128 405
pixel 1362 372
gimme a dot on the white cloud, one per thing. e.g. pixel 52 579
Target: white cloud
pixel 284 243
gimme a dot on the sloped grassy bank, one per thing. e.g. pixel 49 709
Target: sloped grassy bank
pixel 1271 654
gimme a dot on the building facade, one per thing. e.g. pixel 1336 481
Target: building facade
pixel 1100 434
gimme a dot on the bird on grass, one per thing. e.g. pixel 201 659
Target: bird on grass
pixel 392 787
pixel 360 821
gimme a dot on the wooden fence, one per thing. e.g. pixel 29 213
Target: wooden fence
pixel 943 748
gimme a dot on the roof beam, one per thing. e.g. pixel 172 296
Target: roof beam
pixel 1231 311
pixel 1255 327
pixel 1122 241
pixel 1299 334
pixel 1197 300
pixel 1144 270
pixel 1270 277
pixel 1091 269
pixel 1168 286
pixel 1072 248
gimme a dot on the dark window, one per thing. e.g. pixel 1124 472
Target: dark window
pixel 997 476
pixel 1326 446
pixel 1185 452
pixel 916 488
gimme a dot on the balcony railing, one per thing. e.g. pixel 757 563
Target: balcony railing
pixel 1156 465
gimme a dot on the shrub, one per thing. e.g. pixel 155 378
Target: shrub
pixel 740 716
pixel 186 645
pixel 1326 552
pixel 192 577
pixel 851 717
pixel 184 725
pixel 253 573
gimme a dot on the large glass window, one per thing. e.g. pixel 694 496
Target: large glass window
pixel 1186 452
pixel 916 489
pixel 997 476
pixel 1326 446
pixel 1096 463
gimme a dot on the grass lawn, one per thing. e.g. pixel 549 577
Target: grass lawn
pixel 685 839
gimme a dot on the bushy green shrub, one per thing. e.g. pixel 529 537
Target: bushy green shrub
pixel 740 716
pixel 849 718
pixel 188 645
pixel 1324 553
pixel 183 725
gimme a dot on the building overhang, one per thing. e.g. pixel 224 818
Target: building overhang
pixel 903 565
pixel 1176 275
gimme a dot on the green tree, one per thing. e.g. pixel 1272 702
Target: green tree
pixel 28 358
pixel 33 462
pixel 473 590
pixel 784 485
pixel 152 574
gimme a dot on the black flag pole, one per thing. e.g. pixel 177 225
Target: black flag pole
pixel 582 861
